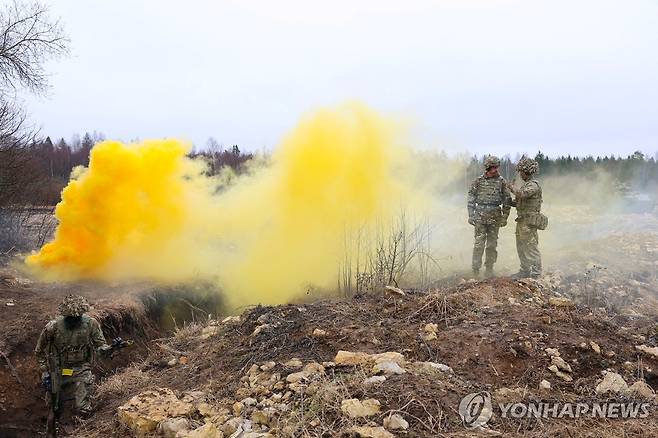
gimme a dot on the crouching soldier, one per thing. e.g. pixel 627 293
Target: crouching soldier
pixel 489 203
pixel 64 352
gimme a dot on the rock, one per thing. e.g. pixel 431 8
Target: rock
pixel 374 379
pixel 231 320
pixel 260 417
pixel 437 366
pixel 629 366
pixel 313 368
pixel 545 385
pixel 172 362
pixel 560 302
pixel 237 408
pixel 390 356
pixel 296 377
pixel 595 347
pixel 641 390
pixel 310 370
pixel 249 401
pixel 394 290
pixel 652 351
pixel 359 358
pixel 209 331
pixel 352 358
pixel 355 408
pixel 561 364
pixel 145 411
pixel 256 435
pixel 552 352
pixel 208 430
pixel 171 426
pixel 388 368
pixel 318 333
pixel 328 364
pixel 206 410
pixel 259 329
pixel 564 376
pixel 431 327
pixel 294 363
pixel 429 336
pixel 183 360
pixel 268 366
pixel 396 421
pixel 612 382
pixel 231 426
pixel 430 331
pixel 371 432
pixel 546 319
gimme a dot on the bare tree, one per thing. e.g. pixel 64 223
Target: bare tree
pixel 28 38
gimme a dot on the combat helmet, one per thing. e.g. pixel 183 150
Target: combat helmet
pixel 491 161
pixel 527 166
pixel 73 305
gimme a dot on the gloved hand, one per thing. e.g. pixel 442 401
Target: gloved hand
pixel 46 381
pixel 471 220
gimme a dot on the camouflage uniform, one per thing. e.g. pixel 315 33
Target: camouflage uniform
pixel 528 200
pixel 489 202
pixel 68 351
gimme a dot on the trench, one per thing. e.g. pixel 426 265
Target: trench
pixel 154 314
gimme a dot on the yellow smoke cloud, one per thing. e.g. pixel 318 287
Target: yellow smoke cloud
pixel 147 210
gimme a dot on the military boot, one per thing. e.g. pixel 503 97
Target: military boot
pixel 488 272
pixel 476 273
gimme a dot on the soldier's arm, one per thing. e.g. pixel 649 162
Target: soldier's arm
pixel 507 201
pixel 97 338
pixel 471 198
pixel 527 191
pixel 43 347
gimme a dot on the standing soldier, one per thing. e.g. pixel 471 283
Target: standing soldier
pixel 489 202
pixel 64 351
pixel 527 200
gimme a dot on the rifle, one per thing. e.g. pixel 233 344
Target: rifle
pixel 117 344
pixel 52 385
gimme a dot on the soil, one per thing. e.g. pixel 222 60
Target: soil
pixel 128 311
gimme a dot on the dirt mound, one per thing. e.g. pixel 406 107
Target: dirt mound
pixel 278 370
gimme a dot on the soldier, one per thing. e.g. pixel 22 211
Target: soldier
pixel 527 200
pixel 64 352
pixel 489 203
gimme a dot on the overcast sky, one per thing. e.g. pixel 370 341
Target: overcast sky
pixel 501 76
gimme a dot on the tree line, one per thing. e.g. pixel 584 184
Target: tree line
pixel 635 171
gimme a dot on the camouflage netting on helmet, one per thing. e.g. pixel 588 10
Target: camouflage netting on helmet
pixel 527 165
pixel 491 161
pixel 73 305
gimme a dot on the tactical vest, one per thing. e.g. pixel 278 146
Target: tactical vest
pixel 73 346
pixel 531 204
pixel 489 191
